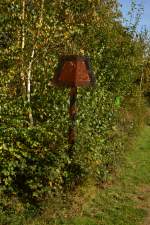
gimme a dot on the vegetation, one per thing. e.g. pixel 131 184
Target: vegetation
pixel 34 159
pixel 123 199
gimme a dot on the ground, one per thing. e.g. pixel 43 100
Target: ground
pixel 125 199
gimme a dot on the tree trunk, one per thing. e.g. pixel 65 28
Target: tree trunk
pixel 31 63
pixel 22 74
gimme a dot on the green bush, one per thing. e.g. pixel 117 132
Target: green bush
pixel 34 159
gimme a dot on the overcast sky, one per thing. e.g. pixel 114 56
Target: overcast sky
pixel 145 18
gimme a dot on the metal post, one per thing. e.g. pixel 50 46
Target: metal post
pixel 72 112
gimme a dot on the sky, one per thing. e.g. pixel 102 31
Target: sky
pixel 145 17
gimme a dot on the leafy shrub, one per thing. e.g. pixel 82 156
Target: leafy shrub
pixel 34 159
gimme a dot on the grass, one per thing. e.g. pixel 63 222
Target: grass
pixel 123 201
pixel 120 203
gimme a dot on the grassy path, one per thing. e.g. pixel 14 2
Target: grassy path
pixel 125 202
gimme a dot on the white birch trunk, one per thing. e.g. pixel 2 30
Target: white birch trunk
pixel 29 87
pixel 22 75
pixel 30 66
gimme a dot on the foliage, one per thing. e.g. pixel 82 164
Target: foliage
pixel 121 202
pixel 123 199
pixel 34 159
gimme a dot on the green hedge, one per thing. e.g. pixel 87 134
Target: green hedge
pixel 34 160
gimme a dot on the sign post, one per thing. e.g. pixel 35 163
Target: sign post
pixel 72 72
